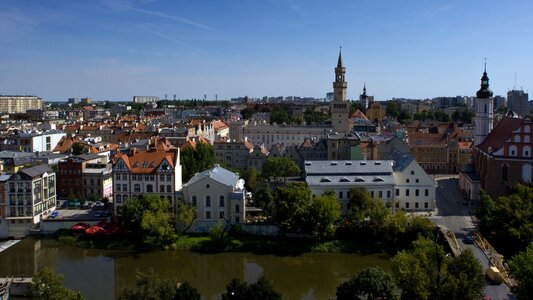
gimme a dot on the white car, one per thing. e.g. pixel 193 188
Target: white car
pixel 99 204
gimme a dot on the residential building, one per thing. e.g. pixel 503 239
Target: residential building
pixel 19 104
pixel 157 170
pixel 341 176
pixel 376 111
pixel 233 154
pixel 414 189
pixel 343 146
pixel 145 99
pixel 518 102
pixel 218 196
pixel 86 176
pixel 13 161
pixel 32 141
pixel 31 194
pixel 270 135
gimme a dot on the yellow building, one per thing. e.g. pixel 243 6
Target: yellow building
pixel 375 112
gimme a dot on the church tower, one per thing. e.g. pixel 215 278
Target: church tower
pixel 340 107
pixel 484 110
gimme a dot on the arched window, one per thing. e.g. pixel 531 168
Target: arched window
pixel 125 187
pixel 137 188
pixel 505 169
pixel 527 139
pixel 119 198
pixel 527 129
pixel 207 201
pixel 516 138
pixel 193 201
pixel 512 150
pixel 526 173
pixel 221 201
pixel 526 151
pixel 149 188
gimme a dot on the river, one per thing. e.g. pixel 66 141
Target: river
pixel 101 274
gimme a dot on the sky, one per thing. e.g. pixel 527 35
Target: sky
pixel 115 49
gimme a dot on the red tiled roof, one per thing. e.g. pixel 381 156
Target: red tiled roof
pixel 145 162
pixel 359 115
pixel 501 133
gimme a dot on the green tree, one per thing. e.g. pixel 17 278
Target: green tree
pixel 279 167
pixel 148 286
pixel 312 116
pixel 185 216
pixel 280 115
pixel 148 216
pixel 47 284
pixel 186 291
pixel 260 290
pixel 393 109
pixel 78 148
pixel 426 272
pixel 324 211
pixel 264 198
pixel 250 178
pixel 292 202
pixel 247 113
pixel 521 266
pixel 196 160
pixel 366 215
pixel 372 283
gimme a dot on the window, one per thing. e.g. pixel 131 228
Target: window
pixel 161 188
pixel 169 188
pixel 137 188
pixel 526 173
pixel 412 172
pixel 512 150
pixel 208 215
pixel 162 177
pixel 416 204
pixel 169 177
pixel 416 193
pixel 125 187
pixel 426 205
pixel 426 193
pixel 237 208
pixel 406 192
pixel 516 138
pixel 504 172
pixel 406 204
pixel 119 199
pixel 221 201
pixel 407 180
pixel 340 195
pixel 149 188
pixel 372 194
pixel 118 187
pixel 193 201
pixel 237 220
pixel 221 215
pixel 397 192
pixel 416 180
pixel 380 194
pixel 526 151
pixel 388 194
pixel 207 201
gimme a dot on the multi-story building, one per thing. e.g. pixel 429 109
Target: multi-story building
pixel 31 194
pixel 218 196
pixel 341 176
pixel 146 171
pixel 145 99
pixel 13 161
pixel 342 146
pixel 86 176
pixel 233 154
pixel 32 141
pixel 376 111
pixel 518 102
pixel 270 135
pixel 19 104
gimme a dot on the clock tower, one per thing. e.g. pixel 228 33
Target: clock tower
pixel 340 107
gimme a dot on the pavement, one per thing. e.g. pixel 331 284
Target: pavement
pixel 455 214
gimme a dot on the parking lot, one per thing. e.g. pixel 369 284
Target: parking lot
pixel 81 213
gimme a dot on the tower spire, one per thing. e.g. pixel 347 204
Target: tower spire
pixel 484 91
pixel 339 63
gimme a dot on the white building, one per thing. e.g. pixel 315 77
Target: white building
pixel 270 135
pixel 145 99
pixel 150 171
pixel 415 190
pixel 218 196
pixel 33 141
pixel 31 194
pixel 19 104
pixel 341 176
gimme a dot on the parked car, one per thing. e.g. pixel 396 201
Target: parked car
pixel 469 239
pixel 99 204
pixel 89 204
pixel 54 214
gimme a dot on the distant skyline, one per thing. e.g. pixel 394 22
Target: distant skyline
pixel 116 49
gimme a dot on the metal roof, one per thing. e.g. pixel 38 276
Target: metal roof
pixel 216 173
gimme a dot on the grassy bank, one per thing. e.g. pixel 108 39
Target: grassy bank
pixel 204 244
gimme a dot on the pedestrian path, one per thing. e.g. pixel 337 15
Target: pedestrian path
pixel 6 244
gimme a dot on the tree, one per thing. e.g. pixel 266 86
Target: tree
pixel 393 109
pixel 372 283
pixel 292 202
pixel 247 113
pixel 185 216
pixel 196 160
pixel 426 272
pixel 260 290
pixel 367 215
pixel 312 116
pixel 279 167
pixel 250 178
pixel 47 284
pixel 324 211
pixel 280 115
pixel 78 148
pixel 264 198
pixel 148 286
pixel 186 291
pixel 148 216
pixel 521 266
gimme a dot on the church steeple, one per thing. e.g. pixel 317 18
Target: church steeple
pixel 339 62
pixel 484 92
pixel 340 109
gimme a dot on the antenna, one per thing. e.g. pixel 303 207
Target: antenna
pixel 514 81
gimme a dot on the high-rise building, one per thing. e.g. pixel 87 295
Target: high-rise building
pixel 518 102
pixel 145 99
pixel 340 108
pixel 19 104
pixel 484 110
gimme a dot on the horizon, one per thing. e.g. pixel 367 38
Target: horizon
pixel 114 50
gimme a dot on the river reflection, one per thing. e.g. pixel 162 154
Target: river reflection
pixel 100 274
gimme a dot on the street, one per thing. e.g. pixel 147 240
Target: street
pixel 454 214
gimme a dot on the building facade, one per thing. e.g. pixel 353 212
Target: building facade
pixel 340 107
pixel 19 104
pixel 518 102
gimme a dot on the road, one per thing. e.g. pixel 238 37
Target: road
pixel 455 215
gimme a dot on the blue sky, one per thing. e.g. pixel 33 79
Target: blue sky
pixel 118 48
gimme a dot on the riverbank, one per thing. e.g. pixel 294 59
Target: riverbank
pixel 252 244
